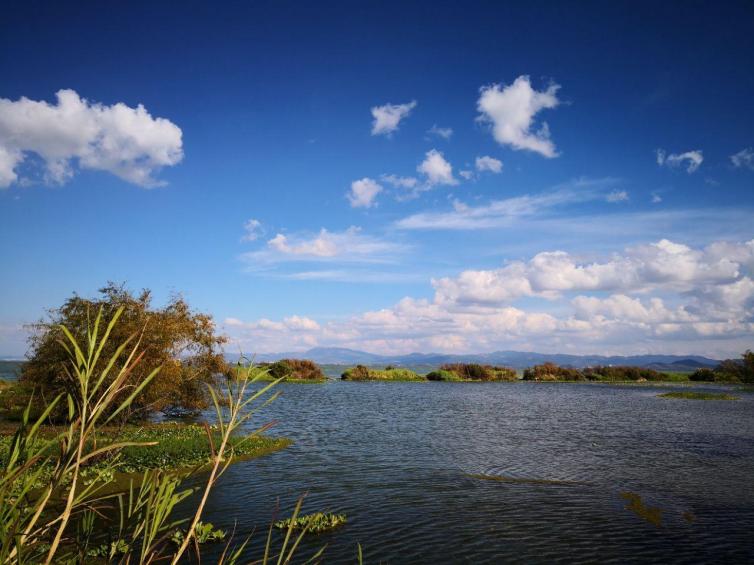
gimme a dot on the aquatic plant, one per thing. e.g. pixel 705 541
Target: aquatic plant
pixel 475 372
pixel 203 533
pixel 552 372
pixel 315 523
pixel 691 395
pixel 624 373
pixel 294 370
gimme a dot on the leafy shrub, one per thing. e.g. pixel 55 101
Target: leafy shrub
pixel 363 373
pixel 294 369
pixel 477 372
pixel 443 375
pixel 624 373
pixel 703 375
pixel 552 372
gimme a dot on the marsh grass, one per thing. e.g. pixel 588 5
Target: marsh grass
pixel 363 373
pixel 692 395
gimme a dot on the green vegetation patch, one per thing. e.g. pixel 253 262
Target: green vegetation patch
pixel 178 446
pixel 315 523
pixel 363 373
pixel 472 372
pixel 690 395
pixel 294 371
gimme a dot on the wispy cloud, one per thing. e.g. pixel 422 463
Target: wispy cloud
pixel 444 133
pixel 691 159
pixel 744 158
pixel 252 230
pixel 502 212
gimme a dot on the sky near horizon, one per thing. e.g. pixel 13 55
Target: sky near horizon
pixel 392 177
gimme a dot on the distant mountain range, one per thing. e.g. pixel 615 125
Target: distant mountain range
pixel 515 359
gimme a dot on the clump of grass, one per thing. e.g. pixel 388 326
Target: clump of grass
pixel 689 395
pixel 315 523
pixel 363 373
pixel 472 372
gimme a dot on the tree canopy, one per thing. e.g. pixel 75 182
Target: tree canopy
pixel 176 338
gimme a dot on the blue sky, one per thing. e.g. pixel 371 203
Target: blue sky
pixel 502 233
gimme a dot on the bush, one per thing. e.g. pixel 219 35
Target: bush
pixel 477 372
pixel 175 338
pixel 552 372
pixel 624 373
pixel 294 369
pixel 363 373
pixel 443 375
pixel 703 375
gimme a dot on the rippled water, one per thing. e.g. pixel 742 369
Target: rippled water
pixel 396 458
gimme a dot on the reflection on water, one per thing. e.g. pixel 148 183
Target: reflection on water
pixel 587 473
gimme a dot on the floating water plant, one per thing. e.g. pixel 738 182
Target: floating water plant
pixel 315 523
pixel 690 395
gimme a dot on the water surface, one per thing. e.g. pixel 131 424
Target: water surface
pixel 636 478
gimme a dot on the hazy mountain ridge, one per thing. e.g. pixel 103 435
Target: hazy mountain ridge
pixel 515 359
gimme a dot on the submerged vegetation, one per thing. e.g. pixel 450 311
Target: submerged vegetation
pixel 691 395
pixel 314 523
pixel 364 373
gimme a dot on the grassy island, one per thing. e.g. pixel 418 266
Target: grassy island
pixel 690 395
pixel 363 373
pixel 293 371
pixel 472 372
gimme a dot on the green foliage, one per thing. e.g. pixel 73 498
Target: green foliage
pixel 294 370
pixel 314 523
pixel 175 338
pixel 363 373
pixel 623 373
pixel 690 395
pixel 443 375
pixel 203 533
pixel 51 512
pixel 703 375
pixel 475 372
pixel 552 372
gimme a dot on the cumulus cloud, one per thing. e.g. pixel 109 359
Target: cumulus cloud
pixel 675 297
pixel 744 158
pixel 363 192
pixel 252 230
pixel 350 245
pixel 127 142
pixel 489 164
pixel 511 111
pixel 437 169
pixel 444 133
pixel 691 159
pixel 388 117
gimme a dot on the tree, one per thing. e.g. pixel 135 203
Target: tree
pixel 179 340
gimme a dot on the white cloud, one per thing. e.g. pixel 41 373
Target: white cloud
pixel 511 110
pixel 400 182
pixel 501 213
pixel 661 297
pixel 468 175
pixel 691 159
pixel 349 246
pixel 388 117
pixel 253 229
pixel 127 142
pixel 363 192
pixel 656 198
pixel 444 133
pixel 617 196
pixel 744 158
pixel 488 163
pixel 436 169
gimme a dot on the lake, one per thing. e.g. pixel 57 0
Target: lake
pixel 638 478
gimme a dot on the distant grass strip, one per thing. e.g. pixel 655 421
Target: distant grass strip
pixel 362 373
pixel 315 523
pixel 688 395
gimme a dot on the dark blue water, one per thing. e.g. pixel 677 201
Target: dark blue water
pixel 396 458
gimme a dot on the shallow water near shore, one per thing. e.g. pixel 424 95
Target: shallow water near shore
pixel 586 473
